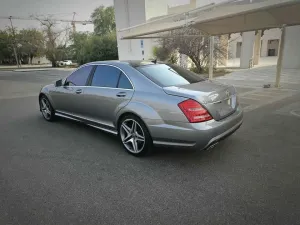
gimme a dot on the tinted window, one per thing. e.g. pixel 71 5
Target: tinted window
pixel 169 75
pixel 80 76
pixel 124 82
pixel 106 76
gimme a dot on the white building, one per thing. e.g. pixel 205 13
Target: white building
pixel 244 47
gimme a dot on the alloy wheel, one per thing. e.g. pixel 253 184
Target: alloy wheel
pixel 132 136
pixel 45 108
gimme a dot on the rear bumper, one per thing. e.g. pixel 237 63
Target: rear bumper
pixel 199 135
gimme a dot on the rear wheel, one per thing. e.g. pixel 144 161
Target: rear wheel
pixel 46 108
pixel 135 136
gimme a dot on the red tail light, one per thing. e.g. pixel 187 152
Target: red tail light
pixel 194 111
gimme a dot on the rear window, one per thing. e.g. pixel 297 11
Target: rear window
pixel 169 75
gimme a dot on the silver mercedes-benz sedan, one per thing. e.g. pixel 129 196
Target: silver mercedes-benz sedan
pixel 145 104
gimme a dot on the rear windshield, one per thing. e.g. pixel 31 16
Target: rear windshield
pixel 166 75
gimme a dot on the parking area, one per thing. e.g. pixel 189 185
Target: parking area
pixel 67 173
pixel 250 82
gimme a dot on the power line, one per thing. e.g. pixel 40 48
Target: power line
pixel 84 22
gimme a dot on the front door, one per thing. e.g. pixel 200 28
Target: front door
pixel 109 91
pixel 69 98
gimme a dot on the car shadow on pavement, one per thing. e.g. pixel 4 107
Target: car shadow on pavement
pixel 110 144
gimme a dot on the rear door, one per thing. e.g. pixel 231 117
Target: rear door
pixel 110 90
pixel 69 98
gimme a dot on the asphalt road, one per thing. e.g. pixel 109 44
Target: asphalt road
pixel 68 173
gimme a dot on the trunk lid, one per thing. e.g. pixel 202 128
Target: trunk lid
pixel 219 99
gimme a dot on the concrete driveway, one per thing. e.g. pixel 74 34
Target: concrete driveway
pixel 251 81
pixel 68 173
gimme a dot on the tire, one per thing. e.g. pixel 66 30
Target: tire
pixel 134 136
pixel 46 108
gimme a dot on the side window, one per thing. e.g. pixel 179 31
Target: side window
pixel 106 76
pixel 124 82
pixel 79 77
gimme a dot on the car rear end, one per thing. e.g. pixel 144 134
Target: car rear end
pixel 207 111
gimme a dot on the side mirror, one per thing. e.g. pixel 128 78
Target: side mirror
pixel 58 83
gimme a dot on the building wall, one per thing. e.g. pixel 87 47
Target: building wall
pixel 201 3
pixel 133 12
pixel 182 8
pixel 291 53
pixel 271 34
pixel 233 42
pixel 40 60
pixel 155 8
pixel 129 13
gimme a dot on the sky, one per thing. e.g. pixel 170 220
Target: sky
pixel 62 9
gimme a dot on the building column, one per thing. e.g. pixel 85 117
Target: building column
pixel 291 52
pixel 257 46
pixel 280 56
pixel 247 49
pixel 211 57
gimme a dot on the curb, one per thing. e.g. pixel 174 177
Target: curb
pixel 44 69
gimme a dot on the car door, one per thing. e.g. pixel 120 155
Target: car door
pixel 110 90
pixel 69 98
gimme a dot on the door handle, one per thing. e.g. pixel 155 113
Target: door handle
pixel 121 94
pixel 79 91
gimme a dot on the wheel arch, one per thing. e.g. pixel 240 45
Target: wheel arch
pixel 48 97
pixel 127 113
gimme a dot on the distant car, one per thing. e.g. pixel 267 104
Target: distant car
pixel 66 63
pixel 145 103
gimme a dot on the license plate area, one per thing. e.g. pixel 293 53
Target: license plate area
pixel 231 102
pixel 227 106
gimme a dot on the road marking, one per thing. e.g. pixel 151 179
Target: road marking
pixel 295 112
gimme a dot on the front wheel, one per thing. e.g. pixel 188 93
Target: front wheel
pixel 46 108
pixel 135 136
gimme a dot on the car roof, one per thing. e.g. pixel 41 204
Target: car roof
pixel 133 63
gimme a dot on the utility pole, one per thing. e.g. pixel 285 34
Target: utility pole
pixel 73 23
pixel 14 42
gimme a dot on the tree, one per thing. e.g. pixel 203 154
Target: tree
pixel 164 53
pixel 191 42
pixel 78 40
pixel 53 40
pixel 6 51
pixel 91 47
pixel 31 43
pixel 104 20
pixel 102 44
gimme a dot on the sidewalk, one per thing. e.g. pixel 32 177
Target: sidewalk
pixel 27 68
pixel 43 69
